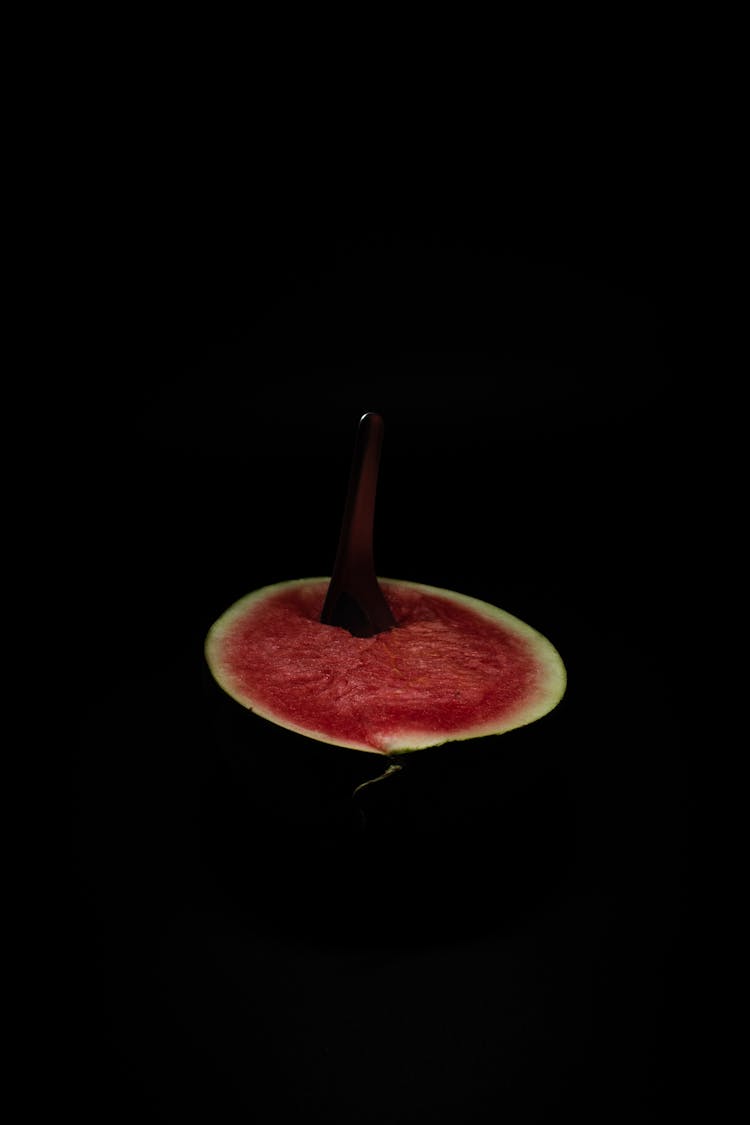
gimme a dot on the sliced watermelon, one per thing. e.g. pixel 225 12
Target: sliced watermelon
pixel 453 668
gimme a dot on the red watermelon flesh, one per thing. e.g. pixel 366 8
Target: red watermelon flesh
pixel 453 668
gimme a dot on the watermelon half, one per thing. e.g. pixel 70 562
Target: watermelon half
pixel 454 667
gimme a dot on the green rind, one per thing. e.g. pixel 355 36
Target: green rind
pixel 554 681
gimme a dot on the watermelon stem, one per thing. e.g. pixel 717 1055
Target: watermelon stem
pixel 392 768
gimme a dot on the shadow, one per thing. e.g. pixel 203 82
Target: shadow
pixel 461 841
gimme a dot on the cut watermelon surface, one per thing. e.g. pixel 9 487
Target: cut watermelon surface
pixel 453 668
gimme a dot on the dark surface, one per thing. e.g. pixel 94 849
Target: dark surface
pixel 501 931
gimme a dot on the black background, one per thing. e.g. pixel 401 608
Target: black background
pixel 503 929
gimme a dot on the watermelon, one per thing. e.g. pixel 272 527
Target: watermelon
pixel 453 667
